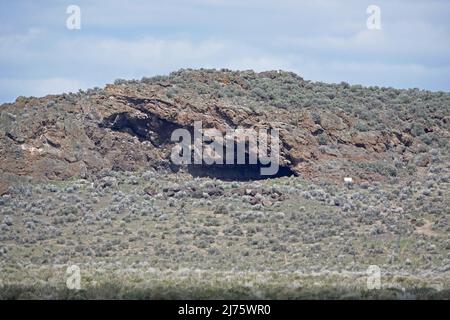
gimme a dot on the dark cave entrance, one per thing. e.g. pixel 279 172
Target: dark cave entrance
pixel 236 172
pixel 152 128
pixel 158 132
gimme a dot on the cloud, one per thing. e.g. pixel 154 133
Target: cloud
pixel 320 40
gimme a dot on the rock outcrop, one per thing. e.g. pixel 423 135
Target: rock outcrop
pixel 127 126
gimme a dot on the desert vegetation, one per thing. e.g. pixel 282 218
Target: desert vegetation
pixel 79 188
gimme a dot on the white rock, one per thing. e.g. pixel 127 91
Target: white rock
pixel 348 180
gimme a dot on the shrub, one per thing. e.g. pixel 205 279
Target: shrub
pixel 361 126
pixel 417 129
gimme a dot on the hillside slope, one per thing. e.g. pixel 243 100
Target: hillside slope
pixel 326 130
pixel 86 180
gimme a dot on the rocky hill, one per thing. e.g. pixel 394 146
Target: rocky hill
pixel 327 130
pixel 86 179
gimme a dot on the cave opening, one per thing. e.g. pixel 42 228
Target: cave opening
pixel 152 128
pixel 158 132
pixel 243 169
pixel 236 172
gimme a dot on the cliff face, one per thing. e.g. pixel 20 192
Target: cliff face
pixel 325 130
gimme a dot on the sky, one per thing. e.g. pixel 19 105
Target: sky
pixel 320 40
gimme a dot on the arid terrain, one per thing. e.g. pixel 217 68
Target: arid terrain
pixel 86 179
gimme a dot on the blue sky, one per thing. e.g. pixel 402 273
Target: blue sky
pixel 320 40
